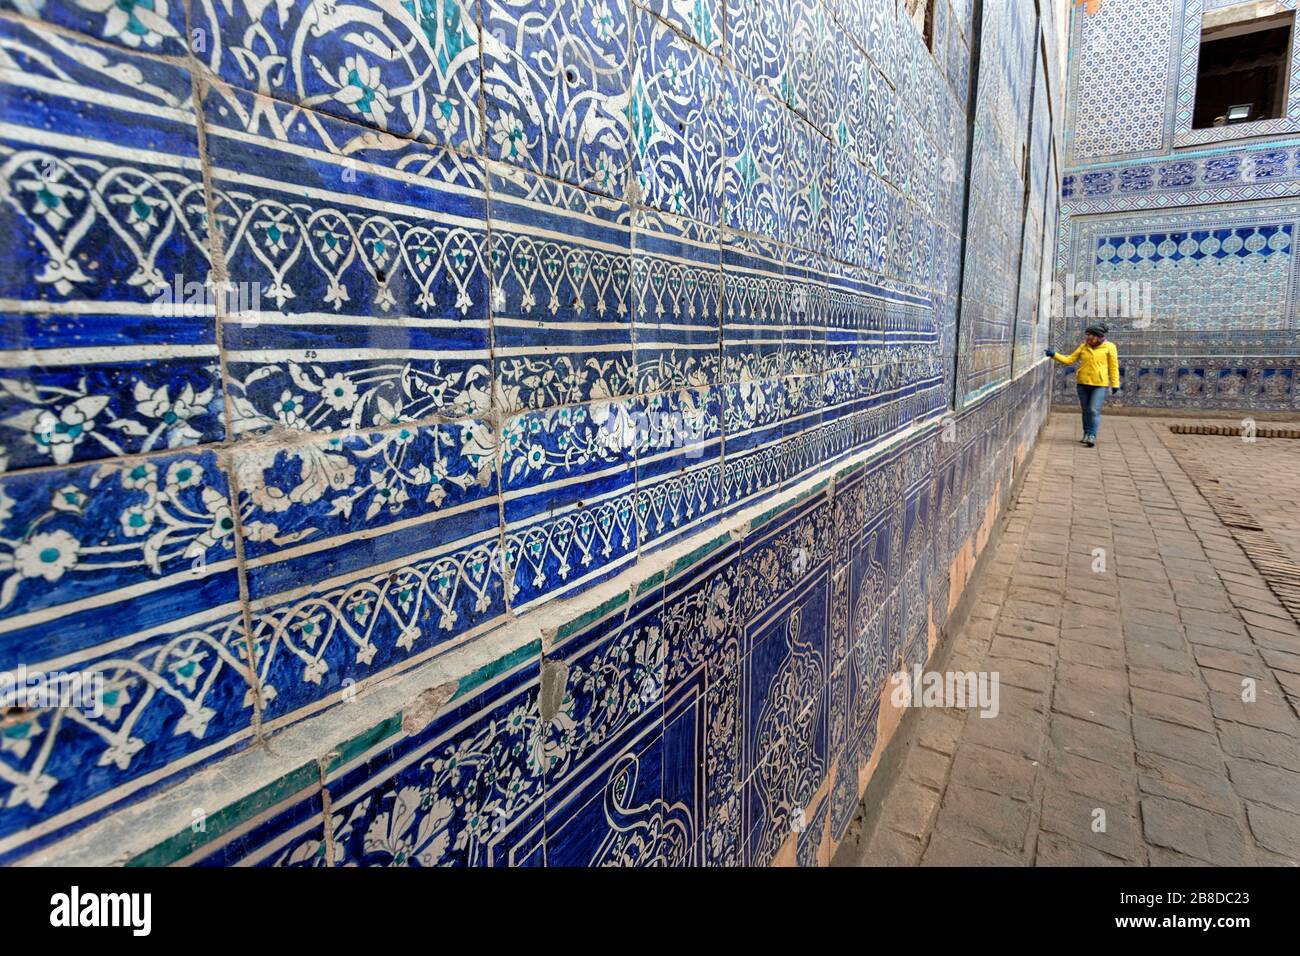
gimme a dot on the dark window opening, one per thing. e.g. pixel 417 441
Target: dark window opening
pixel 921 13
pixel 1243 73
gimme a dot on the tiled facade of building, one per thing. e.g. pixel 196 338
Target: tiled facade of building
pixel 588 368
pixel 1204 220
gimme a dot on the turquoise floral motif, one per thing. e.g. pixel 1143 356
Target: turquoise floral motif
pixel 409 68
pixel 59 418
pixel 166 511
pixel 141 24
pixel 555 86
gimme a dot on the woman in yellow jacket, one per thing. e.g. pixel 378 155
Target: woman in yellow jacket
pixel 1098 370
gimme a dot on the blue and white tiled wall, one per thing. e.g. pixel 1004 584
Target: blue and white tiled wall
pixel 512 296
pixel 1206 218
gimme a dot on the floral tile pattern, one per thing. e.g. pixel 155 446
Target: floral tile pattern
pixel 675 110
pixel 120 359
pixel 364 281
pixel 676 302
pixel 409 67
pixel 561 303
pixel 556 89
pixel 340 339
pixel 157 26
pixel 568 488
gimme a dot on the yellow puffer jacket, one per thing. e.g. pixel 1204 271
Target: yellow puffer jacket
pixel 1099 366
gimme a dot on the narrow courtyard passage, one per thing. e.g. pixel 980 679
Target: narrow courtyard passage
pixel 1139 608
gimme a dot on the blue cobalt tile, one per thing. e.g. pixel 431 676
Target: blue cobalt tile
pixel 755 308
pixel 365 278
pixel 465 791
pixel 755 171
pixel 804 350
pixel 569 497
pixel 785 715
pixel 808 186
pixel 812 61
pixel 154 26
pixel 811 832
pixel 122 573
pixel 758 41
pixel 676 301
pixel 624 762
pixel 115 216
pixel 410 67
pixel 302 505
pixel 561 305
pixel 675 113
pixel 844 793
pixel 701 20
pixel 754 416
pixel 555 89
pixel 702 621
pixel 679 465
pixel 614 679
pixel 366 552
pixel 621 815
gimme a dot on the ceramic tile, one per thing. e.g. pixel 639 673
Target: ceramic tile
pixel 679 465
pixel 109 230
pixel 120 575
pixel 701 20
pixel 407 67
pixel 675 111
pixel 568 486
pixel 556 89
pixel 465 791
pixel 367 279
pixel 676 302
pixel 561 303
pixel 754 127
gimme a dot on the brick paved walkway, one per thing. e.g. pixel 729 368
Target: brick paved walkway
pixel 1121 690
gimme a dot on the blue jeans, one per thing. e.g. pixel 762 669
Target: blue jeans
pixel 1090 400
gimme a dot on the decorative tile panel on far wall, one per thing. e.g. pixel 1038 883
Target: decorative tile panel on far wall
pixel 105 283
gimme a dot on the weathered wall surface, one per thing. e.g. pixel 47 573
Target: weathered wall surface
pixel 1207 218
pixel 568 458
